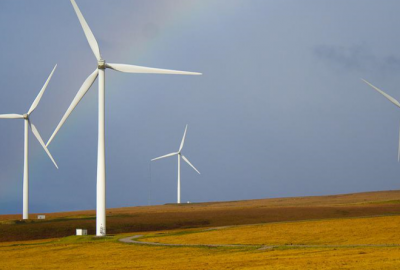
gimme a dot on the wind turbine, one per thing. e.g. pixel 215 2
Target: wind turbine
pixel 28 123
pixel 179 154
pixel 100 71
pixel 391 99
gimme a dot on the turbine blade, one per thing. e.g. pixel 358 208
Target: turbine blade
pixel 188 162
pixel 39 96
pixel 391 99
pixel 168 155
pixel 81 93
pixel 139 69
pixel 88 33
pixel 183 139
pixel 39 138
pixel 12 116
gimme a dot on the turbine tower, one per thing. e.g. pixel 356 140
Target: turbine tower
pixel 179 154
pixel 394 101
pixel 28 123
pixel 100 71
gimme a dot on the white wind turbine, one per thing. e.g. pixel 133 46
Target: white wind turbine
pixel 28 123
pixel 100 71
pixel 179 154
pixel 391 99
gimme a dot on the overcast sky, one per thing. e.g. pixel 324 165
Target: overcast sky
pixel 279 111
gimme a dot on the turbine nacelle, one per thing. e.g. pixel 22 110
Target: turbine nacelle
pixel 101 64
pixel 25 116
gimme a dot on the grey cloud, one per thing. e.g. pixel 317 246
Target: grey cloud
pixel 356 58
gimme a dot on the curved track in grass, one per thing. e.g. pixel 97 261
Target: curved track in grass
pixel 135 240
pixel 131 240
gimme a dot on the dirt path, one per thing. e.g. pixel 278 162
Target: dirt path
pixel 131 240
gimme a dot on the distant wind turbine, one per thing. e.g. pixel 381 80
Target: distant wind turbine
pixel 394 101
pixel 179 154
pixel 100 71
pixel 28 123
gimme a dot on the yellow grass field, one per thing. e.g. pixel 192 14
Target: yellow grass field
pixel 114 255
pixel 91 253
pixel 351 231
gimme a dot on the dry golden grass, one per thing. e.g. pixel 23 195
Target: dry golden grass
pixel 96 254
pixel 351 231
pixel 90 253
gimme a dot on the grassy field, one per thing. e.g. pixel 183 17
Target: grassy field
pixel 352 231
pixel 333 232
pixel 93 253
pixel 168 217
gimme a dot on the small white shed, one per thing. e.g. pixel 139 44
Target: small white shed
pixel 81 232
pixel 41 217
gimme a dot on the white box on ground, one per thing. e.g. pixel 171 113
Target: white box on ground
pixel 41 217
pixel 81 232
